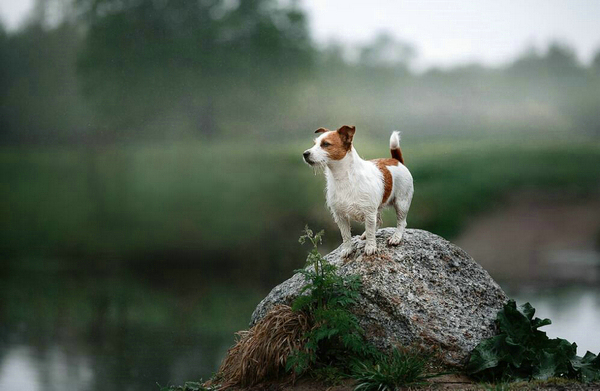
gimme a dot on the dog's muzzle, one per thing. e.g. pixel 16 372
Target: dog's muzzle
pixel 306 156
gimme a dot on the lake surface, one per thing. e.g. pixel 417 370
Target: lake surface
pixel 71 331
pixel 82 331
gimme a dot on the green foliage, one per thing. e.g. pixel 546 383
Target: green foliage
pixel 201 56
pixel 40 99
pixel 327 297
pixel 330 375
pixel 400 368
pixel 521 352
pixel 152 202
pixel 326 289
pixel 124 70
pixel 188 386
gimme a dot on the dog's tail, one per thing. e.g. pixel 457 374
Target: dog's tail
pixel 395 146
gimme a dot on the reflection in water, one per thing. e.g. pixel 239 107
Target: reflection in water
pixel 60 331
pixel 18 369
pixel 24 369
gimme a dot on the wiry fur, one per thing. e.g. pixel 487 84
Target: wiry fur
pixel 356 188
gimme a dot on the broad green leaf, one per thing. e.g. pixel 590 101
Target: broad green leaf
pixel 546 367
pixel 485 355
pixel 520 351
pixel 588 366
pixel 527 310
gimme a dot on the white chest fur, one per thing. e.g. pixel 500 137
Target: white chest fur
pixel 354 187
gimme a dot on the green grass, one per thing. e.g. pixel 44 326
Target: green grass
pixel 399 369
pixel 226 204
pixel 552 383
pixel 188 386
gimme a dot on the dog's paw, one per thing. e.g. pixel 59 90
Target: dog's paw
pixel 346 250
pixel 395 239
pixel 370 248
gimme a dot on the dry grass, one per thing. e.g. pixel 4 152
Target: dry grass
pixel 260 354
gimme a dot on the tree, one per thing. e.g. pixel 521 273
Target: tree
pixel 142 59
pixel 386 51
pixel 40 100
pixel 596 63
pixel 558 61
pixel 561 59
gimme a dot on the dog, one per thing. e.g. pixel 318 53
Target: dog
pixel 359 189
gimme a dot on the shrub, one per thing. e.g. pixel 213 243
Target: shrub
pixel 521 352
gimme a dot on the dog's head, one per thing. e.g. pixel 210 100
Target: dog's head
pixel 330 145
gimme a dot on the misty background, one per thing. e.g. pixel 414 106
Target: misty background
pixel 153 189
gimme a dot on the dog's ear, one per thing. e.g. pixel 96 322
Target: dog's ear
pixel 346 134
pixel 321 130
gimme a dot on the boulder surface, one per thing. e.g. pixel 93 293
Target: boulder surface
pixel 425 292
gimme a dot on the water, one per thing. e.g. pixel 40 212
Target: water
pixel 114 331
pixel 122 331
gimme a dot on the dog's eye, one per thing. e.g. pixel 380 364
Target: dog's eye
pixel 325 144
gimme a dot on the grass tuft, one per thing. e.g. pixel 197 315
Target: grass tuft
pixel 387 373
pixel 260 353
pixel 188 386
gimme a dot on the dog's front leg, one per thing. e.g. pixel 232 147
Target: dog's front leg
pixel 346 231
pixel 370 229
pixel 377 225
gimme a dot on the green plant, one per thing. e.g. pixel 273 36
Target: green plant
pixel 388 372
pixel 188 386
pixel 327 298
pixel 329 375
pixel 521 352
pixel 554 383
pixel 497 387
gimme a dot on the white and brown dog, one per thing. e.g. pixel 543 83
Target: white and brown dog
pixel 358 189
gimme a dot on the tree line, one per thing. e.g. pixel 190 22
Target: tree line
pixel 104 71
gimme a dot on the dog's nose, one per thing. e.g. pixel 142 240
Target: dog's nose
pixel 306 154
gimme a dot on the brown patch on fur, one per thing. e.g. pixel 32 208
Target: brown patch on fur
pixel 346 134
pixel 337 148
pixel 388 182
pixel 397 154
pixel 321 130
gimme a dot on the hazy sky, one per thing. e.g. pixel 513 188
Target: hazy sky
pixel 444 32
pixel 12 11
pixel 449 32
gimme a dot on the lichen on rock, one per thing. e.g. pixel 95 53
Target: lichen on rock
pixel 425 292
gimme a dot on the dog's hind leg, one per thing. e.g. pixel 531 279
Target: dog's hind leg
pixel 401 206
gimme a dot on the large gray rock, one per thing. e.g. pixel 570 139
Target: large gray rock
pixel 426 291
